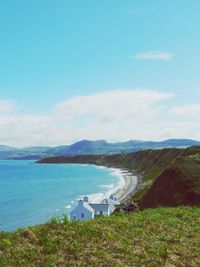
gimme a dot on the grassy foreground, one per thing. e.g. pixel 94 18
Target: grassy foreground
pixel 153 237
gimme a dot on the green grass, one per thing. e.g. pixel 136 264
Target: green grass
pixel 153 237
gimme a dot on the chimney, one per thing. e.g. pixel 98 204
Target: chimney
pixel 80 202
pixel 104 201
pixel 85 199
pixel 111 197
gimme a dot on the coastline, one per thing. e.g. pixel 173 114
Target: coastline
pixel 132 183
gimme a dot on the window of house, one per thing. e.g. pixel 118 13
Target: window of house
pixel 101 212
pixel 82 215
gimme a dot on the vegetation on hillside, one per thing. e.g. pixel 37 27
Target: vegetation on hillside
pixel 153 237
pixel 178 184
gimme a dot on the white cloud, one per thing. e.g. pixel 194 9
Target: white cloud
pixel 7 106
pixel 112 104
pixel 187 111
pixel 114 115
pixel 154 55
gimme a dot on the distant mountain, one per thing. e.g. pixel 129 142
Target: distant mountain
pixel 6 148
pixel 92 147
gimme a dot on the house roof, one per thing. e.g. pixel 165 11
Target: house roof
pixel 85 206
pixel 111 207
pixel 99 206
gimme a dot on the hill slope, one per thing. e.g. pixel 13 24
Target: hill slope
pixel 154 237
pixel 179 184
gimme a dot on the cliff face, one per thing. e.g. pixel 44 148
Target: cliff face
pixel 171 177
pixel 178 185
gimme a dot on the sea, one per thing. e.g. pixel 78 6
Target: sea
pixel 32 193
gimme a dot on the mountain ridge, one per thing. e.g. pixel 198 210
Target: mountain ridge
pixel 92 147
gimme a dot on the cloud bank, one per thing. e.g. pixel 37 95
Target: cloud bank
pixel 154 55
pixel 7 106
pixel 113 115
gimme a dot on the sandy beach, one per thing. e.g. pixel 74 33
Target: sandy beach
pixel 130 185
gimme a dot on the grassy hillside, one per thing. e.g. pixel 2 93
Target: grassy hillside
pixel 153 237
pixel 171 177
pixel 178 184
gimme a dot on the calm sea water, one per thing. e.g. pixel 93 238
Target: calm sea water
pixel 33 193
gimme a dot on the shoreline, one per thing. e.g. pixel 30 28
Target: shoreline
pixel 132 184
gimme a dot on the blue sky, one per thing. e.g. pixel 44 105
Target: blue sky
pixel 54 51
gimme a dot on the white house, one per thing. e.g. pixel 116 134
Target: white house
pixel 82 212
pixel 86 210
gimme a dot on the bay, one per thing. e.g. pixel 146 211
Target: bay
pixel 33 193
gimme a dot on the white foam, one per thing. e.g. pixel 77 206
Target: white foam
pixel 120 174
pixel 107 186
pixel 111 188
pixel 68 206
pixel 100 167
pixel 96 197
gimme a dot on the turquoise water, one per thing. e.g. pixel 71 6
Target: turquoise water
pixel 32 193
